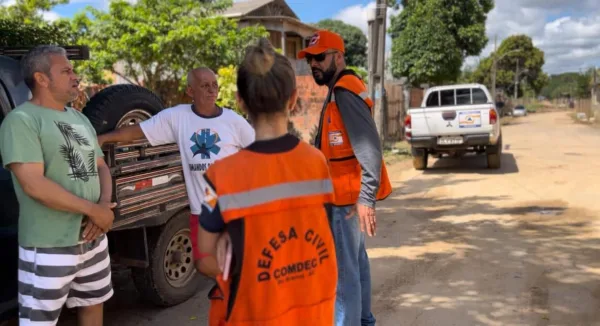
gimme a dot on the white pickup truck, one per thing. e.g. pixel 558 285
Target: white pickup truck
pixel 453 120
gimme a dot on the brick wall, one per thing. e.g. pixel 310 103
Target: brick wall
pixel 308 108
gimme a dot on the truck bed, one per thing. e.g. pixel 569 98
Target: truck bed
pixel 147 181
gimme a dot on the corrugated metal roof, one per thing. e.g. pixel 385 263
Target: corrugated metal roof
pixel 244 7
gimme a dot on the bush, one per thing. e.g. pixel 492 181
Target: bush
pixel 226 77
pixel 361 72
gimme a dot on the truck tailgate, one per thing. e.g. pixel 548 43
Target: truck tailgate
pixel 455 120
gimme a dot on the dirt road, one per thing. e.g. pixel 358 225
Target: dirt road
pixel 462 245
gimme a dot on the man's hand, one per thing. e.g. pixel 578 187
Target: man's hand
pixel 103 216
pixel 366 218
pixel 91 231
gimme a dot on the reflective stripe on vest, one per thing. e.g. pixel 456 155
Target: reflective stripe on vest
pixel 364 95
pixel 272 193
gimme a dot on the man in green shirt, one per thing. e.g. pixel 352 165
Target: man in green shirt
pixel 64 190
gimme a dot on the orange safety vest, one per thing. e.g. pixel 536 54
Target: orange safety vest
pixel 344 166
pixel 284 269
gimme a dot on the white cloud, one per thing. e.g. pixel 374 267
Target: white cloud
pixel 50 15
pixel 567 31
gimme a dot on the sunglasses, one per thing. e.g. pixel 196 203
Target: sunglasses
pixel 317 57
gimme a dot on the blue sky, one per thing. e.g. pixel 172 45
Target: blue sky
pixel 567 31
pixel 305 9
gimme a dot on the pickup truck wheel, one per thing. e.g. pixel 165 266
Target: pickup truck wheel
pixel 420 161
pixel 494 156
pixel 171 277
pixel 121 105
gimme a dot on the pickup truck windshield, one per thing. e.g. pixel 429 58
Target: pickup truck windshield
pixel 460 96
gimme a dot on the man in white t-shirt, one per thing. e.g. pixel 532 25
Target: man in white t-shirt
pixel 204 132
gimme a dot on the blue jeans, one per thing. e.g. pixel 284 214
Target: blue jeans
pixel 353 299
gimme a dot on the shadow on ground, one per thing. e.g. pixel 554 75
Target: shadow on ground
pixel 473 164
pixel 468 261
pixel 127 307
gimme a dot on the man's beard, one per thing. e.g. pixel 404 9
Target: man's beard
pixel 326 76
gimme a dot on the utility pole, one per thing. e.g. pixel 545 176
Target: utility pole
pixel 594 86
pixel 494 63
pixel 517 82
pixel 376 58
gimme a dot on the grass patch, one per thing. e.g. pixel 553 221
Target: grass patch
pixel 396 152
pixel 534 107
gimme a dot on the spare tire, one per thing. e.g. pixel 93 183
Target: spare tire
pixel 121 105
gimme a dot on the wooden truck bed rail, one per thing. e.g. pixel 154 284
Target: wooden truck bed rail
pixel 148 181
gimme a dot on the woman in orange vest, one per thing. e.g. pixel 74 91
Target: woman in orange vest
pixel 269 204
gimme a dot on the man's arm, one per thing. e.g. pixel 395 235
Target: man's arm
pixel 125 134
pixel 31 178
pixel 158 130
pixel 210 228
pixel 365 142
pixel 105 181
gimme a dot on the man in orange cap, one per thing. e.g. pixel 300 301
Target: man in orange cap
pixel 348 138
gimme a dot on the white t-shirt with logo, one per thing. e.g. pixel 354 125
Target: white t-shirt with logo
pixel 201 140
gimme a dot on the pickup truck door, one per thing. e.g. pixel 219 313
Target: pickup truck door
pixel 453 112
pixel 9 218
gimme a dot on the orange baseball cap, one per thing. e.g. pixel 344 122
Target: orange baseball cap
pixel 322 41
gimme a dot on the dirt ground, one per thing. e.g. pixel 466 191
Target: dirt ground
pixel 462 245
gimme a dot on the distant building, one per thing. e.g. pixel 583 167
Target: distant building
pixel 286 31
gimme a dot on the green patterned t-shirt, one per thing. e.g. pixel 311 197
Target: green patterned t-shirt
pixel 65 142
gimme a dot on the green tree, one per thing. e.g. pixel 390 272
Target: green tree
pixel 355 41
pixel 28 11
pixel 155 43
pixel 363 73
pixel 22 24
pixel 573 84
pixel 13 32
pixel 516 50
pixel 431 38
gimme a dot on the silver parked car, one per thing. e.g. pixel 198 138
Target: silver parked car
pixel 519 111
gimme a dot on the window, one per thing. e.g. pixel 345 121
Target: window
pixel 433 100
pixel 447 97
pixel 463 96
pixel 479 96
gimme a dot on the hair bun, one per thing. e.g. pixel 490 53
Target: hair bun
pixel 260 58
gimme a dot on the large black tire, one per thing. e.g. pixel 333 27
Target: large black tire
pixel 152 282
pixel 110 106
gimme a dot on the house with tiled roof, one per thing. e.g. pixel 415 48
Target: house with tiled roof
pixel 286 31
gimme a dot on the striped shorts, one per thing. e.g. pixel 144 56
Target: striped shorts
pixel 50 277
